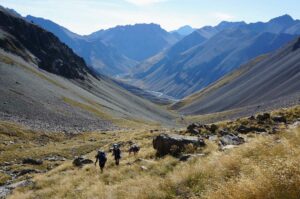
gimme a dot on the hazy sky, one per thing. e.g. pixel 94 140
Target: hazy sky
pixel 86 16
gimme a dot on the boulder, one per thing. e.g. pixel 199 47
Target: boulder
pixel 231 139
pixel 6 190
pixel 193 129
pixel 213 128
pixel 251 118
pixel 26 171
pixel 55 158
pixel 245 129
pixel 166 143
pixel 261 118
pixel 81 161
pixel 279 119
pixel 32 161
pixel 223 132
pixel 144 168
pixel 193 126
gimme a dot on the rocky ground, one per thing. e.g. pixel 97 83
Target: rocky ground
pixel 63 124
pixel 47 151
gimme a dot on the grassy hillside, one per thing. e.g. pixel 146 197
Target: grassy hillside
pixel 266 166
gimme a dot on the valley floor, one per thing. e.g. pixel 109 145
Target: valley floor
pixel 266 166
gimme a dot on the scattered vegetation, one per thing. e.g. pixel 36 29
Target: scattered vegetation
pixel 266 166
pixel 99 110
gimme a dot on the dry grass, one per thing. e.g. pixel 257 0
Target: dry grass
pixel 14 138
pixel 265 167
pixel 4 178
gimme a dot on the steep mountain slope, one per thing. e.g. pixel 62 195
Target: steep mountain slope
pixel 142 70
pixel 273 79
pixel 137 42
pixel 45 85
pixel 102 57
pixel 197 66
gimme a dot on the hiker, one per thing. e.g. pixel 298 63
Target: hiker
pixel 101 156
pixel 116 153
pixel 134 149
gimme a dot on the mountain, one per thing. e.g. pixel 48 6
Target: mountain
pixel 269 80
pixel 204 60
pixel 137 42
pixel 184 30
pixel 210 31
pixel 145 68
pixel 101 57
pixel 45 85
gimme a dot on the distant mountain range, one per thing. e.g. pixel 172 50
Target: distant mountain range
pixel 267 81
pixel 100 56
pixel 116 50
pixel 211 52
pixel 137 42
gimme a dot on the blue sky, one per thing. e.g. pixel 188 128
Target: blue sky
pixel 86 16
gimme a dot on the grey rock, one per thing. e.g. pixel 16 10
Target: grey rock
pixel 32 161
pixel 55 158
pixel 163 143
pixel 6 190
pixel 279 119
pixel 245 129
pixel 263 117
pixel 26 171
pixel 144 168
pixel 231 139
pixel 81 161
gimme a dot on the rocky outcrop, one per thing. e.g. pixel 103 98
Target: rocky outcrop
pixel 6 190
pixel 231 139
pixel 261 118
pixel 81 161
pixel 32 161
pixel 279 119
pixel 196 128
pixel 174 144
pixel 51 54
pixel 25 172
pixel 245 129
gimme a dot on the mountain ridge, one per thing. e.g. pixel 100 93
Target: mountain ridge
pixel 272 78
pixel 205 62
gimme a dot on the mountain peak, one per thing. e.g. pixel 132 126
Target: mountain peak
pixel 283 19
pixel 184 30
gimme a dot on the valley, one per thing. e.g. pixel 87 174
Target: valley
pixel 209 112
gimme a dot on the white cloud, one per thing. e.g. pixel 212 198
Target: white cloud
pixel 223 16
pixel 144 2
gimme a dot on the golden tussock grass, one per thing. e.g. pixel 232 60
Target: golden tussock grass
pixel 265 167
